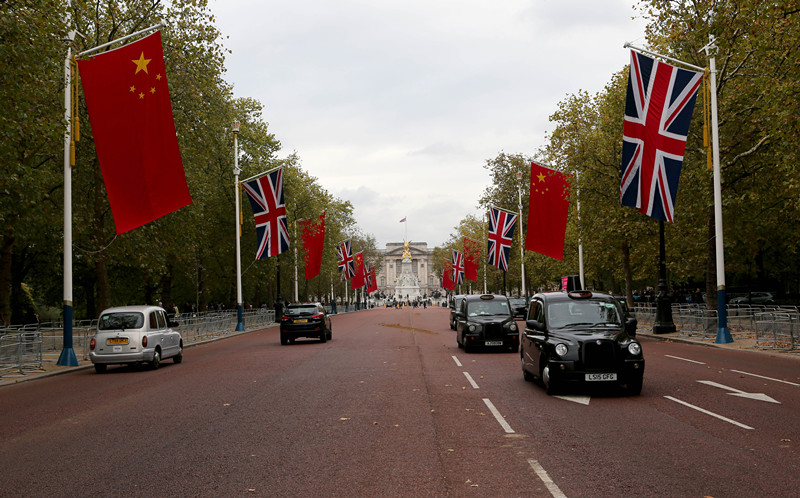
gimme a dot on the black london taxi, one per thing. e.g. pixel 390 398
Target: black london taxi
pixel 578 337
pixel 486 320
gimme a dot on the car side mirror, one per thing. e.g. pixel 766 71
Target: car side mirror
pixel 630 326
pixel 172 324
pixel 535 325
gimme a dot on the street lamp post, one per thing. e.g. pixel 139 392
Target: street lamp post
pixel 236 171
pixel 521 243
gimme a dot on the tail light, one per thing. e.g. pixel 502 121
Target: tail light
pixel 92 344
pixel 284 318
pixel 317 316
pixel 144 341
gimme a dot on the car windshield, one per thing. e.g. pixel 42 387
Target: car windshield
pixel 517 302
pixel 116 321
pixel 591 313
pixel 302 310
pixel 488 307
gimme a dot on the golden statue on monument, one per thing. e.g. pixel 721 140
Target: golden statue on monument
pixel 406 252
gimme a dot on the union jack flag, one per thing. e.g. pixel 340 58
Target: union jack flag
pixel 658 110
pixel 347 264
pixel 501 234
pixel 269 210
pixel 458 267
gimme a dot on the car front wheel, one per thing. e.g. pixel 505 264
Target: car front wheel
pixel 156 360
pixel 550 386
pixel 525 374
pixel 178 357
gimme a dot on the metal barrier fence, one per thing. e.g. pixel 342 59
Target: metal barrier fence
pixel 777 325
pixel 25 348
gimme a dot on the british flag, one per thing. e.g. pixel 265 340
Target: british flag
pixel 458 267
pixel 658 110
pixel 347 264
pixel 269 210
pixel 501 234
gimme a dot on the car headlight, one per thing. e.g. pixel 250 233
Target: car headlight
pixel 561 350
pixel 472 327
pixel 513 326
pixel 635 348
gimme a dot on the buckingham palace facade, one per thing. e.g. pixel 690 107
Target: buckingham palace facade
pixel 421 266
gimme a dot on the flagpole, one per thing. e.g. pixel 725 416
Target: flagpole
pixel 236 171
pixel 580 242
pixel 485 245
pixel 262 174
pixel 67 356
pixel 296 295
pixel 521 243
pixel 723 334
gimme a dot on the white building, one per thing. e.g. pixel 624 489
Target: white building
pixel 421 267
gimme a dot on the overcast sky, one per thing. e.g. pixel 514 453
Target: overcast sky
pixel 397 105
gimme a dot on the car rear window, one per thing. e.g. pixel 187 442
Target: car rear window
pixel 123 320
pixel 304 310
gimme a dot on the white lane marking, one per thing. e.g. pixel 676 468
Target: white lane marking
pixel 737 392
pixel 709 413
pixel 469 378
pixel 458 363
pixel 583 400
pixel 768 378
pixel 499 417
pixel 551 486
pixel 684 359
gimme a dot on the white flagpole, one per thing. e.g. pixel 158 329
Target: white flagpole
pixel 67 356
pixel 723 334
pixel 521 241
pixel 580 243
pixel 236 171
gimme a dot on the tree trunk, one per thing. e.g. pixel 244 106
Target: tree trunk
pixel 100 267
pixel 626 268
pixel 6 250
pixel 166 286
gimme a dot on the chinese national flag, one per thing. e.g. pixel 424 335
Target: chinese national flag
pixel 358 280
pixel 313 235
pixel 447 276
pixel 471 254
pixel 134 133
pixel 547 212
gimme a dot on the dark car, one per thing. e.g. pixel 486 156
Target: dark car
pixel 486 320
pixel 519 306
pixel 305 320
pixel 455 309
pixel 580 337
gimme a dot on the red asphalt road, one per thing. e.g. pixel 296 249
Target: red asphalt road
pixel 385 409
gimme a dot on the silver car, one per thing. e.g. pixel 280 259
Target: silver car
pixel 134 335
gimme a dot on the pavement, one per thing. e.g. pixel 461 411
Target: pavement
pixel 741 342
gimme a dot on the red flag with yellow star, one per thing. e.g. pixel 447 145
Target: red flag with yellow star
pixel 547 212
pixel 130 112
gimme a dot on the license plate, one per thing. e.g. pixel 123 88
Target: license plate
pixel 301 320
pixel 494 343
pixel 601 377
pixel 118 340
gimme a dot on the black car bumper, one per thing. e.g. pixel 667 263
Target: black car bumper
pixel 312 330
pixel 573 372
